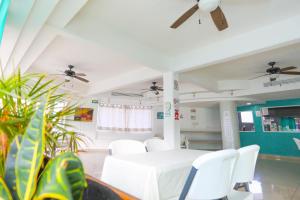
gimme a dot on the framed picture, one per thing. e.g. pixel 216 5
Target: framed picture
pixel 193 117
pixel 84 114
pixel 193 114
pixel 160 115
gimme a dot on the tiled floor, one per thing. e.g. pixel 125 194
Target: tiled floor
pixel 274 180
pixel 93 162
pixel 277 180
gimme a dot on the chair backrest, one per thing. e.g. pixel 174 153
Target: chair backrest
pixel 245 166
pixel 156 144
pixel 211 176
pixel 125 147
pixel 297 141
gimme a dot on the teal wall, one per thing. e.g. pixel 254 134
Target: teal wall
pixel 275 143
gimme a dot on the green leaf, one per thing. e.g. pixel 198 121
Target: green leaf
pixel 62 179
pixel 4 192
pixel 30 155
pixel 10 173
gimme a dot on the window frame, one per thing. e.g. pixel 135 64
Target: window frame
pixel 253 117
pixel 262 120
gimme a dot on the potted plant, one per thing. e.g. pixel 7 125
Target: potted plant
pixel 25 178
pixel 20 96
pixel 29 135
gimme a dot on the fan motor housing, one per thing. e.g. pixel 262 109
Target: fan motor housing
pixel 273 70
pixel 70 73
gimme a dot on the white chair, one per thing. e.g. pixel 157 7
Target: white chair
pixel 297 141
pixel 210 176
pixel 245 167
pixel 125 147
pixel 156 144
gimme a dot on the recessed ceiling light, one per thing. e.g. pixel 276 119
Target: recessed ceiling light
pixel 248 103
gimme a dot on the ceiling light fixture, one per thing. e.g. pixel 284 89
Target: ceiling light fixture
pixel 273 77
pixel 68 78
pixel 208 5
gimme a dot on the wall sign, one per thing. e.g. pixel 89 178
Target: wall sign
pixel 176 101
pixel 95 101
pixel 176 117
pixel 258 113
pixel 168 109
pixel 176 85
pixel 160 115
pixel 193 114
pixel 265 111
pixel 227 129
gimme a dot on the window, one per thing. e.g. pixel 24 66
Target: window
pixel 247 117
pixel 246 122
pixel 281 119
pixel 124 118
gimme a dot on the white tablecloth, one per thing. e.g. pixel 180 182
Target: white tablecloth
pixel 152 175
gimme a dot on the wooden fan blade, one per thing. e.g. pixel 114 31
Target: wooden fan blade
pixel 146 91
pixel 287 68
pixel 185 16
pixel 290 73
pixel 81 79
pixel 258 76
pixel 80 74
pixel 56 74
pixel 219 19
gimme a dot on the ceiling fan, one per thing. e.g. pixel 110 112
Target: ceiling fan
pixel 212 6
pixel 154 88
pixel 70 73
pixel 274 71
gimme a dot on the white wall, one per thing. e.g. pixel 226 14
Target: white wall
pixel 101 139
pixel 157 124
pixel 207 119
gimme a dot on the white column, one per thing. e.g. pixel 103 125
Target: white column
pixel 171 126
pixel 230 127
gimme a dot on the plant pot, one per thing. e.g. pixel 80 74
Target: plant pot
pixel 97 191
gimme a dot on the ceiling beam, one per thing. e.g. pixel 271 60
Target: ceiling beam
pixel 122 80
pixel 269 37
pixel 120 43
pixel 34 36
pixel 37 17
pixel 257 89
pixel 207 83
pixel 18 13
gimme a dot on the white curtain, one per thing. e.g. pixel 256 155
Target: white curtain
pixel 124 118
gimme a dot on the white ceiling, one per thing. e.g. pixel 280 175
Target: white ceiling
pixel 209 104
pixel 249 67
pixel 240 69
pixel 97 63
pixel 141 87
pixel 125 44
pixel 291 94
pixel 148 21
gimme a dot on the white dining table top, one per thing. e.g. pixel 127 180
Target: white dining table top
pixel 161 159
pixel 152 175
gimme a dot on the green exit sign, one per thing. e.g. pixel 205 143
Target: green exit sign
pixel 94 101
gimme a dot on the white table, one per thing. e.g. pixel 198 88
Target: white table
pixel 150 176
